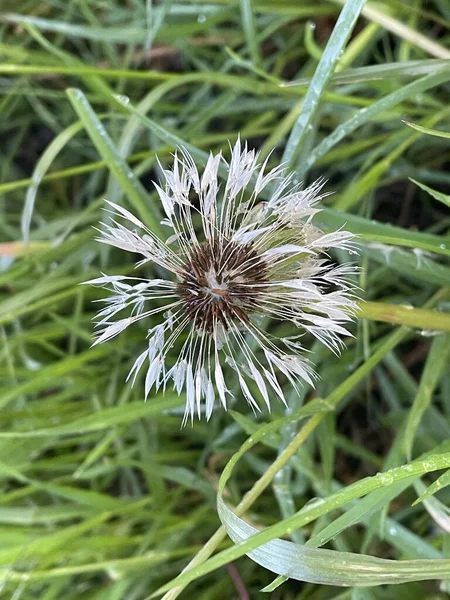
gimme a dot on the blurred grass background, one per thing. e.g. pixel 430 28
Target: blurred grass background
pixel 103 496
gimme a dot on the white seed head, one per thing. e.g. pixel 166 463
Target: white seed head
pixel 231 258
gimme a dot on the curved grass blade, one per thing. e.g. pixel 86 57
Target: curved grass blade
pixel 428 131
pixel 42 166
pixel 316 565
pixel 440 483
pixel 328 567
pixel 444 198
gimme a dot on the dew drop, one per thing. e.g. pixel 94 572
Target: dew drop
pixel 385 478
pixel 314 502
pixel 32 364
pixel 429 333
pixel 122 99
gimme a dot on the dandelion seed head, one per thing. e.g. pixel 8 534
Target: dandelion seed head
pixel 232 260
pixel 221 283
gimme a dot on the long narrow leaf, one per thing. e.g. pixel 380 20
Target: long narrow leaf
pixel 324 71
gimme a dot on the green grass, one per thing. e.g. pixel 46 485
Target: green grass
pixel 104 496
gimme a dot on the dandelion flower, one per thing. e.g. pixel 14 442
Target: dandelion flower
pixel 230 260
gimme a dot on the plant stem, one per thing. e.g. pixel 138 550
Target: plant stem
pixel 403 314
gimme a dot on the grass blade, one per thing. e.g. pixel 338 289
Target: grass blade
pixel 130 184
pixel 319 82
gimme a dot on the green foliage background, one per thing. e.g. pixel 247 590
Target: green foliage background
pixel 103 496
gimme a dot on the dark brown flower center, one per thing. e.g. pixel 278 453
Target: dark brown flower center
pixel 221 282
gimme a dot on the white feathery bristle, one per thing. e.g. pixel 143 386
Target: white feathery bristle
pixel 248 259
